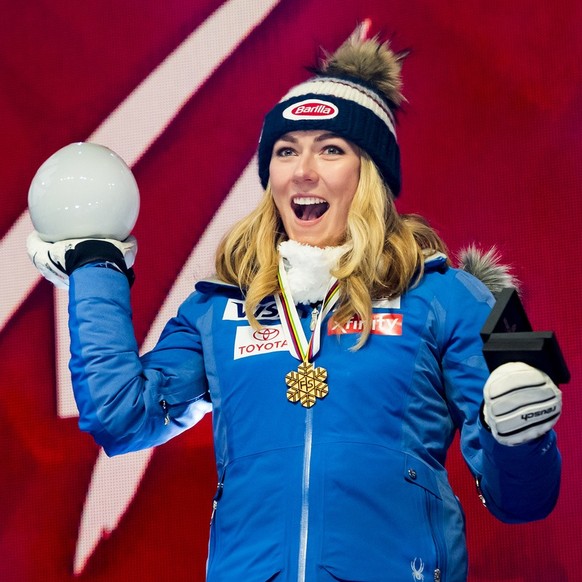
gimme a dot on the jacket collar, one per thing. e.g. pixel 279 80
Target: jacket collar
pixel 433 262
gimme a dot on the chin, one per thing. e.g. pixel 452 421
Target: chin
pixel 315 241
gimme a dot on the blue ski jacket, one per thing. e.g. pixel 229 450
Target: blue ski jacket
pixel 351 489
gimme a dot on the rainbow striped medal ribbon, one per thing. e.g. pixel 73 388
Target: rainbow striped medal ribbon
pixel 307 384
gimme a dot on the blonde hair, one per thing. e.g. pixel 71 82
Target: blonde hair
pixel 385 257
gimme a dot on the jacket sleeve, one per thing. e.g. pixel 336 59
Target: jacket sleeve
pixel 517 484
pixel 125 401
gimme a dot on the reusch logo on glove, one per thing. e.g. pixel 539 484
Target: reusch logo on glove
pixel 538 413
pixel 310 109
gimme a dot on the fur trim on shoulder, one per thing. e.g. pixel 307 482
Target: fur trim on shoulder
pixel 486 266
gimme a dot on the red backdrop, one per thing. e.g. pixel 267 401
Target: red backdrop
pixel 492 153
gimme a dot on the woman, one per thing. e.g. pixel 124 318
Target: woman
pixel 340 352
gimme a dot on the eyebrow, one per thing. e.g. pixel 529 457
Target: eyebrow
pixel 329 135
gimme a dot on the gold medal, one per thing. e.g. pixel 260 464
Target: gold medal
pixel 306 385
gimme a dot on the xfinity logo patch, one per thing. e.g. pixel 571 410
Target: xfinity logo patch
pixel 311 109
pixel 254 342
pixel 382 324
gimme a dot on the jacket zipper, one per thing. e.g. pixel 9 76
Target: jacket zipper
pixel 212 542
pixel 304 524
pixel 166 410
pixel 217 495
pixel 437 573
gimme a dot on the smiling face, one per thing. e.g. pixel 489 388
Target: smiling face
pixel 314 175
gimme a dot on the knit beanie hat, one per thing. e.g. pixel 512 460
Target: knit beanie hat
pixel 355 93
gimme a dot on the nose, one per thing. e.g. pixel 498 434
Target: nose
pixel 305 168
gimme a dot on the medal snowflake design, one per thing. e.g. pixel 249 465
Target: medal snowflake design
pixel 306 385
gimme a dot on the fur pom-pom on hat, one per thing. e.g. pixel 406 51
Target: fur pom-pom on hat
pixel 355 92
pixel 370 61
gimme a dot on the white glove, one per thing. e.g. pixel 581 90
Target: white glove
pixel 56 261
pixel 521 403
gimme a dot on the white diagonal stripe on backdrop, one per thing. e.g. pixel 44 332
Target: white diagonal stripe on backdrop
pixel 130 130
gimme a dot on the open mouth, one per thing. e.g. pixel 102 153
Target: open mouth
pixel 309 207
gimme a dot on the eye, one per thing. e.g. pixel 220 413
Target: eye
pixel 284 152
pixel 332 150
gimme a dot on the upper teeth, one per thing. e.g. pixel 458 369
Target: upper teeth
pixel 304 201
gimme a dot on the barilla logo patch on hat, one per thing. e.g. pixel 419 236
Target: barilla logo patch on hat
pixel 311 109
